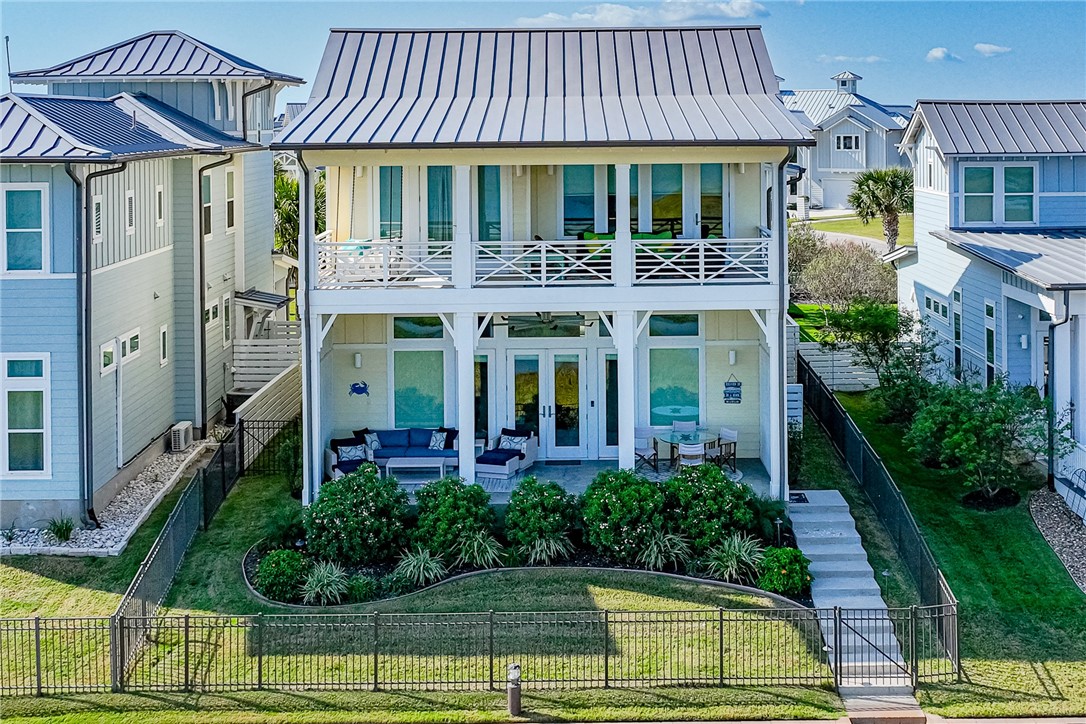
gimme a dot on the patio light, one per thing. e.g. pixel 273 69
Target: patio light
pixel 512 689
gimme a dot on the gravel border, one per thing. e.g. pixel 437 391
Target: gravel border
pixel 1063 530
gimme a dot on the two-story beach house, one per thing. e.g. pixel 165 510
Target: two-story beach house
pixel 999 263
pixel 137 252
pixel 569 235
pixel 852 133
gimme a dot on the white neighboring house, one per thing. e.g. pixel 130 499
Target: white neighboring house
pixel 999 262
pixel 853 133
pixel 550 231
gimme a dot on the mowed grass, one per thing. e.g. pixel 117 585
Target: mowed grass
pixel 872 230
pixel 1023 620
pixel 811 319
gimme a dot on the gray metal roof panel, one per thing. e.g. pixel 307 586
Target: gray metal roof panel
pixel 549 86
pixel 1053 259
pixel 821 105
pixel 190 126
pixel 157 54
pixel 101 123
pixel 1006 127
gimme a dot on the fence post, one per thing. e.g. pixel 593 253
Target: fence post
pixel 121 652
pixel 490 648
pixel 837 648
pixel 957 646
pixel 720 641
pixel 260 651
pixel 913 655
pixel 114 638
pixel 606 649
pixel 187 680
pixel 240 435
pixel 376 639
pixel 37 655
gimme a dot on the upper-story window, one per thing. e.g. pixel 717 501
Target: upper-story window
pixel 229 199
pixel 667 198
pixel 578 199
pixel 847 142
pixel 490 203
pixel 25 221
pixel 711 218
pixel 390 201
pixel 160 206
pixel 996 194
pixel 439 203
pixel 205 205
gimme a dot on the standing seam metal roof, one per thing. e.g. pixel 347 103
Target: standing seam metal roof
pixel 489 87
pixel 822 104
pixel 1006 127
pixel 1053 259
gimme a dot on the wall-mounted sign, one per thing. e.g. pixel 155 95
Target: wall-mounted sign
pixel 360 388
pixel 733 391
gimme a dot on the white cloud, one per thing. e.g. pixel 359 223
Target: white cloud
pixel 988 49
pixel 669 12
pixel 941 55
pixel 850 59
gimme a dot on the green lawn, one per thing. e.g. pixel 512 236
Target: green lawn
pixel 810 319
pixel 872 230
pixel 1023 620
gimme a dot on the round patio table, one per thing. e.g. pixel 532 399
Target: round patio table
pixel 674 439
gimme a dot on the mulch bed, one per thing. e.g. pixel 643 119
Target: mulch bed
pixel 1003 498
pixel 1064 531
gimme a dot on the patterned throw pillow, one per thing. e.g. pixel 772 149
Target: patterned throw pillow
pixel 351 452
pixel 373 441
pixel 508 442
pixel 437 440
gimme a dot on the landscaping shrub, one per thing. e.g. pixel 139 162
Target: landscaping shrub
pixel 285 526
pixel 784 571
pixel 289 459
pixel 281 574
pixel 664 549
pixel 622 510
pixel 704 505
pixel 765 512
pixel 362 589
pixel 450 510
pixel 479 549
pixel 539 520
pixel 420 567
pixel 393 584
pixel 325 584
pixel 734 559
pixel 357 519
pixel 61 529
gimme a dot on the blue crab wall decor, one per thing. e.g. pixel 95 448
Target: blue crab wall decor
pixel 360 388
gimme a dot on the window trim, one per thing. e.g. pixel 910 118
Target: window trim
pixel 937 306
pixel 10 384
pixel 211 313
pixel 129 212
pixel 163 345
pixel 998 193
pixel 46 266
pixel 111 345
pixel 990 325
pixel 160 206
pixel 98 220
pixel 838 144
pixel 126 352
pixel 224 315
pixel 230 209
pixel 207 207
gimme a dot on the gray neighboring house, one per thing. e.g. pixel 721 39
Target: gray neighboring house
pixel 138 231
pixel 853 133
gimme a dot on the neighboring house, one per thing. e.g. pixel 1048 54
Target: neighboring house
pixel 853 134
pixel 547 230
pixel 137 236
pixel 999 263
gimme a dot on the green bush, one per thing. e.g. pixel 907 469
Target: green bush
pixel 325 584
pixel 479 549
pixel 784 571
pixel 705 506
pixel 281 574
pixel 539 521
pixel 765 512
pixel 362 589
pixel 285 527
pixel 393 584
pixel 664 549
pixel 357 519
pixel 420 568
pixel 735 559
pixel 61 529
pixel 450 510
pixel 289 459
pixel 622 511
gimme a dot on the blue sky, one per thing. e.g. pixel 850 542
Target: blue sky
pixel 904 50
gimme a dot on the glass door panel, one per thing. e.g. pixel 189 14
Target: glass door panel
pixel 566 412
pixel 526 392
pixel 607 393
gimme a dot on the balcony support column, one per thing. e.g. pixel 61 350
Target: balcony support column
pixel 462 251
pixel 625 337
pixel 622 256
pixel 774 335
pixel 464 339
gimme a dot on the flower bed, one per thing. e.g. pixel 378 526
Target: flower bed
pixel 359 542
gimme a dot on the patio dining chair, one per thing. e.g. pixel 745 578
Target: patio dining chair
pixel 645 451
pixel 691 455
pixel 684 426
pixel 729 445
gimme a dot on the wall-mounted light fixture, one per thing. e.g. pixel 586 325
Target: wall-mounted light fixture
pixel 1023 339
pixel 731 357
pixel 358 360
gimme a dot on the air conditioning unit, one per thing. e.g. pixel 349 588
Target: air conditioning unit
pixel 180 436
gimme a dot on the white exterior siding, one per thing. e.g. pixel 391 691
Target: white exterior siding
pixel 255 191
pixel 142 179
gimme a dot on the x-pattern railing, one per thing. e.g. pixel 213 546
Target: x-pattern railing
pixel 542 263
pixel 700 261
pixel 385 263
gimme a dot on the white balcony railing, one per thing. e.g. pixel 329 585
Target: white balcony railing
pixel 383 263
pixel 542 263
pixel 701 261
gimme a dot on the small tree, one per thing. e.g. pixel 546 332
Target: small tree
pixel 804 245
pixel 844 273
pixel 885 192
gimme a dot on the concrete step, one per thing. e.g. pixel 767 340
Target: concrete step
pixel 874 689
pixel 855 582
pixel 824 568
pixel 826 537
pixel 873 601
pixel 842 552
pixel 823 498
pixel 822 516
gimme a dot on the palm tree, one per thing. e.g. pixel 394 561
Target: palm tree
pixel 287 214
pixel 885 192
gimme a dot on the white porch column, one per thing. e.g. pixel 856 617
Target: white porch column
pixel 625 332
pixel 778 437
pixel 464 338
pixel 462 251
pixel 312 453
pixel 622 255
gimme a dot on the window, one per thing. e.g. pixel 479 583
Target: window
pixel 227 332
pixel 229 199
pixel 847 142
pixel 129 212
pixel 439 203
pixel 578 200
pixel 674 385
pixel 205 208
pixel 634 190
pixel 163 345
pixel 107 354
pixel 160 206
pixel 936 306
pixel 673 325
pixel 419 388
pixel 931 175
pixel 96 218
pixel 211 313
pixel 989 342
pixel 712 201
pixel 482 397
pixel 667 198
pixel 390 201
pixel 26 228
pixel 130 345
pixel 957 317
pixel 999 194
pixel 24 415
pixel 417 328
pixel 490 203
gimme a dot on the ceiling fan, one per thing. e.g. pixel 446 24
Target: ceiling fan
pixel 542 322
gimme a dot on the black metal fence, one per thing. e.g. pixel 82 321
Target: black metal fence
pixel 220 474
pixel 260 442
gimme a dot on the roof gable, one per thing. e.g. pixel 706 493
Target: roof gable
pixel 560 86
pixel 1004 127
pixel 825 104
pixel 167 54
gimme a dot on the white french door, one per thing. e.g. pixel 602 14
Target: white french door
pixel 547 391
pixel 607 404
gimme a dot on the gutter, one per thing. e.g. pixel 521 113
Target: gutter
pixel 514 145
pixel 202 276
pixel 244 115
pixel 86 370
pixel 1052 387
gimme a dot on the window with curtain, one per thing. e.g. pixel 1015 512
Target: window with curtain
pixel 490 203
pixel 634 190
pixel 439 203
pixel 419 388
pixel 205 203
pixel 390 199
pixel 667 198
pixel 25 414
pixel 578 199
pixel 25 238
pixel 712 200
pixel 674 385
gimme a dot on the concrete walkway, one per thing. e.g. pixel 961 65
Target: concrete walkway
pixel 874 683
